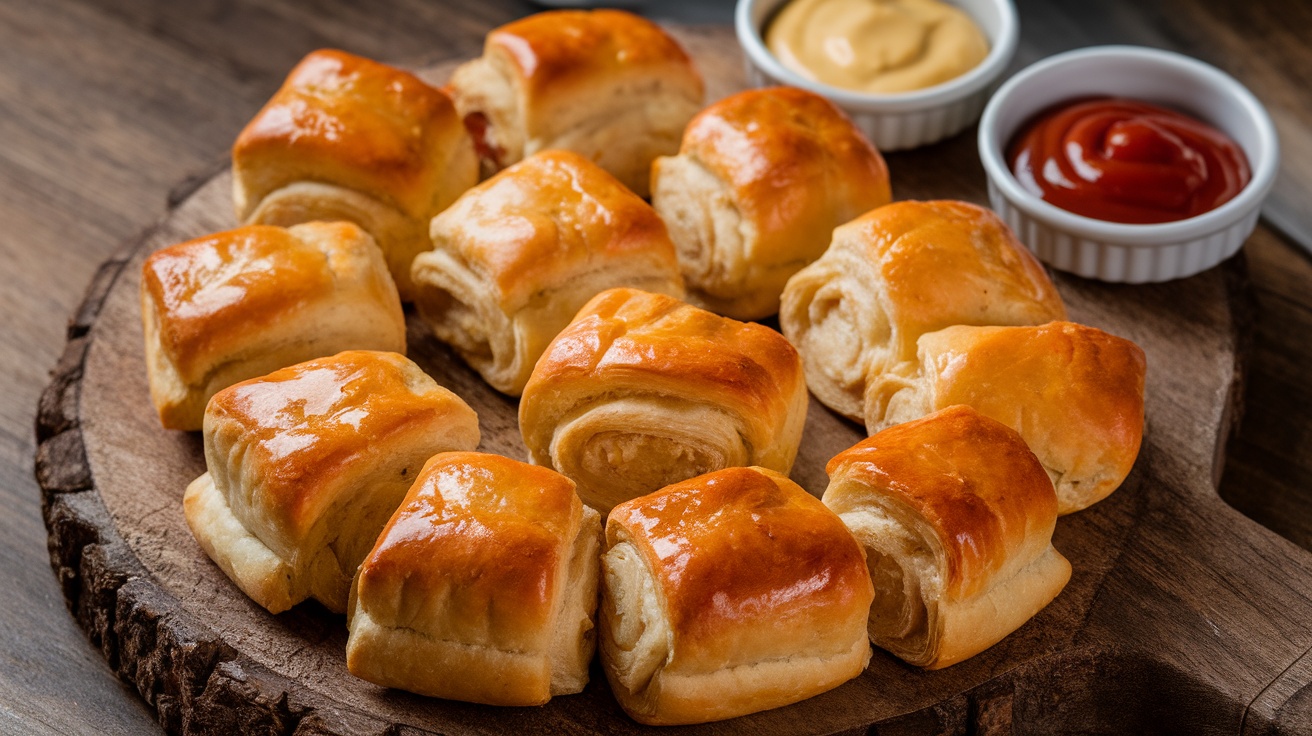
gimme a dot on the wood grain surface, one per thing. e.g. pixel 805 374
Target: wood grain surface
pixel 106 106
pixel 1155 592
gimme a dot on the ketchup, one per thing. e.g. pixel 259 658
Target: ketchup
pixel 1126 161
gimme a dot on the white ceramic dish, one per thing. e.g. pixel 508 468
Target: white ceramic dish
pixel 895 121
pixel 1113 251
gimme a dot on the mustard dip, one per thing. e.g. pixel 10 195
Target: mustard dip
pixel 881 46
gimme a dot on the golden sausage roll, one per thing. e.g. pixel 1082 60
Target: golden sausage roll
pixel 1074 393
pixel 642 390
pixel 483 586
pixel 515 258
pixel 306 465
pixel 346 138
pixel 956 517
pixel 760 183
pixel 728 594
pixel 607 84
pixel 896 273
pixel 238 304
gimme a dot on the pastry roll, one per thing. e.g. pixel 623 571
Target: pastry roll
pixel 728 594
pixel 642 390
pixel 306 465
pixel 607 84
pixel 347 138
pixel 896 273
pixel 516 257
pixel 760 183
pixel 239 304
pixel 956 517
pixel 483 586
pixel 1074 393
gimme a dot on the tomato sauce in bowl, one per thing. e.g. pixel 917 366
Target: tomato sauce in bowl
pixel 1122 160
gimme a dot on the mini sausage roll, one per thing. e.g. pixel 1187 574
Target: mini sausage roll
pixel 760 183
pixel 346 138
pixel 1074 393
pixel 238 304
pixel 642 390
pixel 896 273
pixel 728 594
pixel 306 465
pixel 483 586
pixel 956 517
pixel 607 84
pixel 515 258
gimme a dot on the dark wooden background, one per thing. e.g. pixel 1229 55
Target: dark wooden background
pixel 107 105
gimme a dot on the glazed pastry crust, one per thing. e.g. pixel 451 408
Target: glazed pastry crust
pixel 483 586
pixel 896 273
pixel 643 390
pixel 728 594
pixel 349 138
pixel 956 517
pixel 515 258
pixel 242 303
pixel 607 84
pixel 305 466
pixel 1074 393
pixel 761 181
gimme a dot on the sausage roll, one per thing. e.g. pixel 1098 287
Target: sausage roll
pixel 239 304
pixel 760 183
pixel 516 257
pixel 956 517
pixel 607 84
pixel 306 465
pixel 642 390
pixel 1074 393
pixel 728 594
pixel 483 586
pixel 347 138
pixel 896 273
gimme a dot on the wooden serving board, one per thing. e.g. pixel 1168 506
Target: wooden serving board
pixel 1182 615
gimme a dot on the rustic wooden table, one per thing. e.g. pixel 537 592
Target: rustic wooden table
pixel 107 105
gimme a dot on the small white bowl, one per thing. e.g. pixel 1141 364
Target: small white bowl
pixel 894 121
pixel 1113 251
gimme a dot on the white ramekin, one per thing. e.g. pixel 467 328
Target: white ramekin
pixel 894 121
pixel 1113 251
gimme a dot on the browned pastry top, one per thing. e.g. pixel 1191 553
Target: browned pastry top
pixel 346 120
pixel 941 258
pixel 631 339
pixel 794 159
pixel 972 479
pixel 1074 392
pixel 482 537
pixel 309 424
pixel 748 561
pixel 549 218
pixel 247 277
pixel 563 49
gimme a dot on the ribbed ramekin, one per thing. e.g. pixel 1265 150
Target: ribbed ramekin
pixel 1112 251
pixel 894 121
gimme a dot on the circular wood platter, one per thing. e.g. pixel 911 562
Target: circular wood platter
pixel 1182 615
